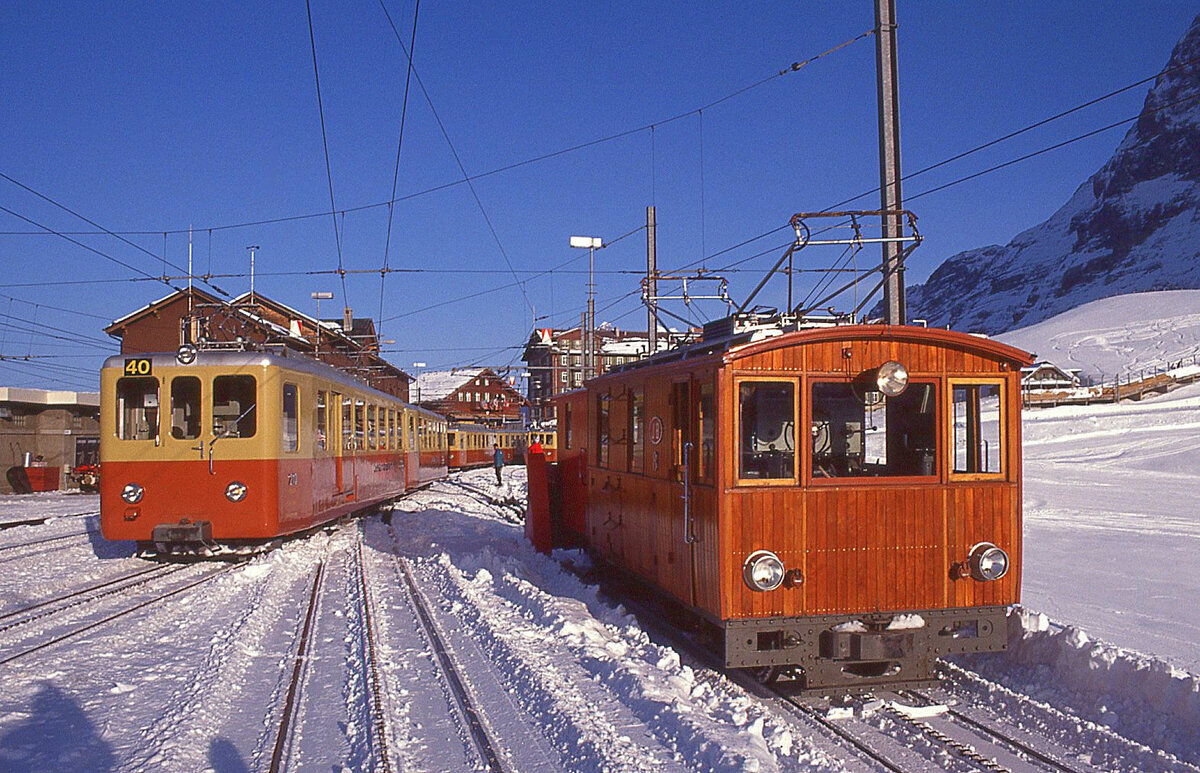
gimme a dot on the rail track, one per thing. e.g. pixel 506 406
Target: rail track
pixel 58 604
pixel 471 718
pixel 59 538
pixel 377 702
pixel 42 519
pixel 512 511
pixel 284 736
pixel 206 577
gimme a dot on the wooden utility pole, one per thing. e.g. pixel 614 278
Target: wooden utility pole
pixel 889 158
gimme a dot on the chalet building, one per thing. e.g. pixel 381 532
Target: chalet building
pixel 190 316
pixel 58 430
pixel 476 395
pixel 1046 376
pixel 555 360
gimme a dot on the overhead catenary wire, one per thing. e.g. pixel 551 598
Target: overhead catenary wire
pixel 458 160
pixel 337 239
pixel 794 67
pixel 387 243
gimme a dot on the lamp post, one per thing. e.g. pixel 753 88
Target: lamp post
pixel 252 248
pixel 591 243
pixel 418 366
pixel 318 297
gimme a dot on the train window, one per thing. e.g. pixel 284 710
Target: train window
pixel 185 408
pixel 347 424
pixel 322 420
pixel 412 433
pixel 637 407
pixel 372 435
pixel 137 408
pixel 977 415
pixel 861 433
pixel 450 439
pixel 567 425
pixel 707 419
pixel 602 428
pixel 234 413
pixel 360 425
pixel 767 426
pixel 291 416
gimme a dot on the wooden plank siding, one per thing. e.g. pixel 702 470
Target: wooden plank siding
pixel 862 545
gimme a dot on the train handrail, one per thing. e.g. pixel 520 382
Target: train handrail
pixel 688 536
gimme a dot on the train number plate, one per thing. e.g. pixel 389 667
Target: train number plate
pixel 137 366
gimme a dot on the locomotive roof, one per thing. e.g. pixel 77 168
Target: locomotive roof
pixel 736 346
pixel 261 359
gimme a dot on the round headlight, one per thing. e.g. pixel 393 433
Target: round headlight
pixel 186 354
pixel 763 571
pixel 132 493
pixel 891 378
pixel 988 562
pixel 236 491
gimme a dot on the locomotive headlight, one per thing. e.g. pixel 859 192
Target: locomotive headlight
pixel 988 562
pixel 132 493
pixel 891 378
pixel 763 571
pixel 236 491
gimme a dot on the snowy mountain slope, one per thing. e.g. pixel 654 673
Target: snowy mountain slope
pixel 1117 335
pixel 1133 226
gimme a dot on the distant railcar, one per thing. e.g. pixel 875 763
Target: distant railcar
pixel 549 441
pixel 842 504
pixel 471 445
pixel 212 450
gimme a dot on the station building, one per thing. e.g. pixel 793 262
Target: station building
pixel 56 430
pixel 473 395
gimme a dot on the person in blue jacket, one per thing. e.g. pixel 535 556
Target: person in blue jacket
pixel 497 461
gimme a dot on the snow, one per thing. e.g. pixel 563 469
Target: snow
pixel 1102 656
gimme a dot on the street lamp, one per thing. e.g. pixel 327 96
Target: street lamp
pixel 591 244
pixel 318 297
pixel 418 366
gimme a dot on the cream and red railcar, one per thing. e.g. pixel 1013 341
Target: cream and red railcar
pixel 548 439
pixel 471 445
pixel 842 503
pixel 230 448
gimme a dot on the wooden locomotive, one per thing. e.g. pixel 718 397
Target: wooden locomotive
pixel 205 451
pixel 842 503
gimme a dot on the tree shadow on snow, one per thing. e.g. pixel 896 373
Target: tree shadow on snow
pixel 57 735
pixel 223 756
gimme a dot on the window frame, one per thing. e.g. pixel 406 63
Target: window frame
pixel 947 456
pixel 874 480
pixel 294 436
pixel 736 440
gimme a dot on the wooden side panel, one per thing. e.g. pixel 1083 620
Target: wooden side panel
pixel 977 513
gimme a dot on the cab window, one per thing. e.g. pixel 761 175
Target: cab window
pixel 767 430
pixel 234 413
pixel 977 416
pixel 857 432
pixel 706 410
pixel 185 408
pixel 137 408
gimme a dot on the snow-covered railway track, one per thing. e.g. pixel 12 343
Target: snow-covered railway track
pixel 287 723
pixel 37 521
pixel 57 604
pixel 61 637
pixel 1004 737
pixel 512 512
pixel 487 750
pixel 370 638
pixel 33 543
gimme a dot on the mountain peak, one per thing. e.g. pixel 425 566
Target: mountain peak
pixel 1133 226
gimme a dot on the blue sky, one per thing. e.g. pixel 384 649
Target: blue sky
pixel 152 117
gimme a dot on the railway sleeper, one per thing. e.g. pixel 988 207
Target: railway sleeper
pixel 840 654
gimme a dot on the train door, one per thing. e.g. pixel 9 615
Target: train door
pixel 333 436
pixel 683 477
